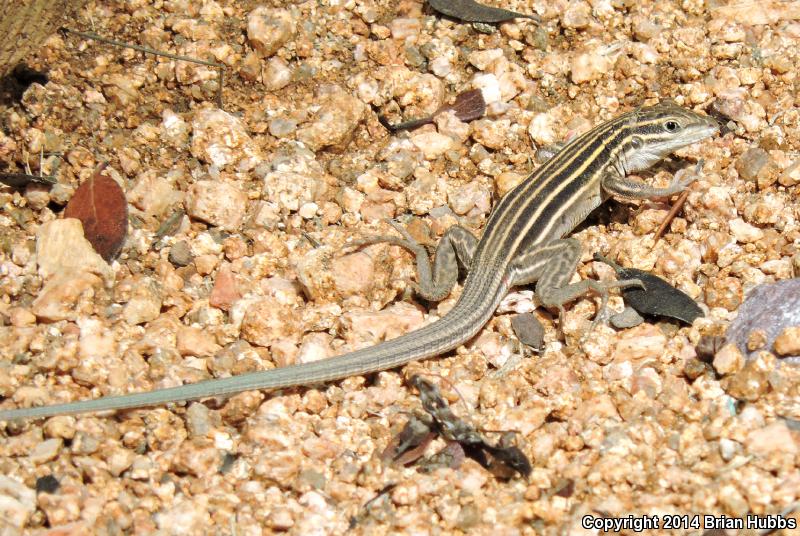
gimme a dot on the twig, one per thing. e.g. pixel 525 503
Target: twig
pixel 675 208
pixel 219 66
pixel 670 216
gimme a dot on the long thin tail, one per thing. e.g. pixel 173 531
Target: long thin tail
pixel 458 326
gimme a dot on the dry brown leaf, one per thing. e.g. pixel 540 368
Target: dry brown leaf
pixel 100 205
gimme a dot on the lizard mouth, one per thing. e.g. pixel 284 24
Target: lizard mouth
pixel 707 127
pixel 696 133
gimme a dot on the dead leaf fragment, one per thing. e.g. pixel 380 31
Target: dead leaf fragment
pixel 100 204
pixel 468 105
pixel 20 180
pixel 471 11
pixel 658 298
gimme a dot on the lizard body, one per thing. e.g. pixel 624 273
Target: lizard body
pixel 522 243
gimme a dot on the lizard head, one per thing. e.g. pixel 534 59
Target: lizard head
pixel 656 131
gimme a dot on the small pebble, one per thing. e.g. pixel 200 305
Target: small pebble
pixel 145 302
pixel 404 28
pixel 45 451
pixel 577 16
pixel 432 144
pixel 628 318
pixel 174 128
pixel 269 29
pixel 66 296
pixel 744 232
pixel 277 74
pixel 218 203
pixel 729 360
pixel 281 127
pixel 491 134
pixel 61 248
pixel 205 264
pixel 334 123
pixel 268 321
pixel 21 316
pixel 787 343
pixel 224 294
pixel 17 502
pixel 592 64
pixel 756 340
pixel 220 138
pixel 180 254
pixel 751 162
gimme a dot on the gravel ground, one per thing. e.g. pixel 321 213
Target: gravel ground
pixel 234 263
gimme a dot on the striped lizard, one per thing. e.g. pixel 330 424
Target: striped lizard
pixel 522 243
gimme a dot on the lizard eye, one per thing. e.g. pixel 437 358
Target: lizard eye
pixel 671 126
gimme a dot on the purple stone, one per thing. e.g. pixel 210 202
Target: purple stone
pixel 771 307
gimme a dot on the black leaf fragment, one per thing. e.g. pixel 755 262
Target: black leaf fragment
pixel 658 298
pixel 20 180
pixel 471 11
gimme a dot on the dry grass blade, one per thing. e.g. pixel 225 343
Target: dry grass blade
pixel 147 50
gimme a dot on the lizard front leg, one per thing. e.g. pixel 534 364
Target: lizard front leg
pixel 614 183
pixel 551 267
pixel 435 283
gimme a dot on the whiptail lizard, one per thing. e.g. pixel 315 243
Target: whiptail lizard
pixel 521 244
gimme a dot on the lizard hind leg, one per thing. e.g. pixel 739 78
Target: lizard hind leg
pixel 551 266
pixel 435 282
